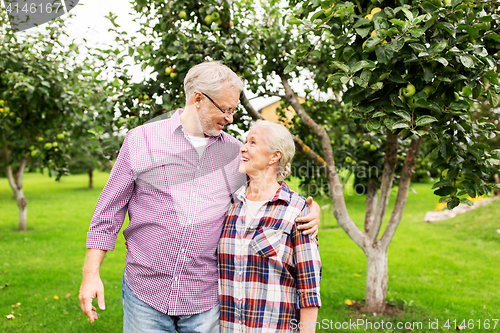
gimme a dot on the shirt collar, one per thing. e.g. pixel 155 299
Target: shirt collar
pixel 283 193
pixel 177 125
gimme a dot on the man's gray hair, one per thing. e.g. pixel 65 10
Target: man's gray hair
pixel 278 138
pixel 208 77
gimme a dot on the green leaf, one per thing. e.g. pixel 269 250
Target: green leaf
pixel 467 60
pixel 289 68
pixel 378 114
pixel 442 61
pixel 457 161
pixel 444 191
pixel 428 73
pixel 397 45
pixel 418 47
pixel 493 97
pixel 452 172
pixel 341 66
pixel 417 32
pixel 371 43
pixel 425 120
pixel 460 105
pixel 439 47
pixel 470 188
pixel 317 14
pixel 408 14
pixel 446 26
pixel 373 125
pixel 361 22
pixel 398 22
pixel 362 64
pixel 441 184
pixel 363 32
pixel 294 21
pixel 453 203
pixel 493 36
pixel 429 7
pixel 466 202
pixel 400 124
pixel 403 114
pixel 388 122
pixel 384 54
pixel 473 32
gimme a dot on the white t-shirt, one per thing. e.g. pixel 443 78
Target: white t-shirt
pixel 199 144
pixel 251 210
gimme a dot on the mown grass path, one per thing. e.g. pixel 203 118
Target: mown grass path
pixel 446 270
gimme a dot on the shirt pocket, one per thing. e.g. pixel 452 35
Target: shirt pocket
pixel 266 242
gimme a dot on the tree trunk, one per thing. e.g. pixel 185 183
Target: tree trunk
pixel 91 178
pixel 371 204
pixel 16 183
pixel 376 279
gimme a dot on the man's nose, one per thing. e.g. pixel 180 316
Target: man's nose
pixel 229 117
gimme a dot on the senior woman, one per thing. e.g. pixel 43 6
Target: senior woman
pixel 269 273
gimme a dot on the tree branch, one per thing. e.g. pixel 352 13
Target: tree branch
pixel 20 172
pixel 404 186
pixel 270 93
pixel 391 158
pixel 336 189
pixel 250 110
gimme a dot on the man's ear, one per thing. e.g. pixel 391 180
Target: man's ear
pixel 196 98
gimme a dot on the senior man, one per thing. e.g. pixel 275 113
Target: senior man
pixel 175 177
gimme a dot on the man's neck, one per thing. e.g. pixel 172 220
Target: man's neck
pixel 191 123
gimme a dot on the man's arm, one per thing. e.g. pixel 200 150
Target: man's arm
pixel 312 219
pixel 92 286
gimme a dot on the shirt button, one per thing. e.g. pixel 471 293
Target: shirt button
pixel 194 194
pixel 175 278
pixel 183 250
pixel 239 272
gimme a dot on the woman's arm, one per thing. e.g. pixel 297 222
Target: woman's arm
pixel 308 318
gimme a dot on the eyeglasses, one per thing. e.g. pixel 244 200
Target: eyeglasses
pixel 229 112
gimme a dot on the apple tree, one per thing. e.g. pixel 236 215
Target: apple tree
pixel 42 92
pixel 401 74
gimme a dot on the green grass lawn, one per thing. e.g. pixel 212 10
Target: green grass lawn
pixel 445 270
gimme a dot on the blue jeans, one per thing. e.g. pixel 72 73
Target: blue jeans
pixel 139 317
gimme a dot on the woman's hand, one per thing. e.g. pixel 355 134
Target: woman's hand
pixel 311 220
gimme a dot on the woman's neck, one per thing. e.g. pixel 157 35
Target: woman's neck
pixel 262 188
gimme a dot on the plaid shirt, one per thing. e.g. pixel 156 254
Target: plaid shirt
pixel 176 202
pixel 270 270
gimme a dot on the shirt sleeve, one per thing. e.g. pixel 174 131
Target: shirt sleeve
pixel 112 205
pixel 308 267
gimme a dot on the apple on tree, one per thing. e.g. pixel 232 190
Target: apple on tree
pixel 182 15
pixel 409 91
pixel 208 19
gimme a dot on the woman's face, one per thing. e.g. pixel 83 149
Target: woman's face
pixel 255 155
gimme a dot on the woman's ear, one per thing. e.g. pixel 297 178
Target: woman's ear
pixel 275 157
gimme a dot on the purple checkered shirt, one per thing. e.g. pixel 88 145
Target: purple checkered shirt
pixel 176 202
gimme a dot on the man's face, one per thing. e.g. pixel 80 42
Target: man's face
pixel 211 118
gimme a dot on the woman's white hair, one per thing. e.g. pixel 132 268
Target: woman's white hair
pixel 278 138
pixel 208 77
